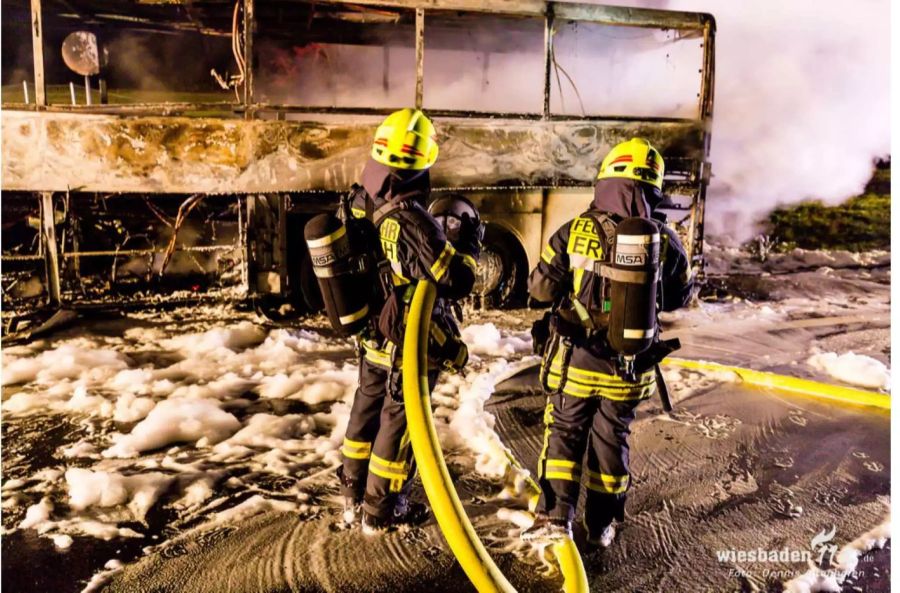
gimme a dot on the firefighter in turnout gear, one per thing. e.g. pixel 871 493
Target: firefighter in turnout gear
pixel 591 401
pixel 378 462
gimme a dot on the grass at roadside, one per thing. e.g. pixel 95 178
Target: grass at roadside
pixel 862 222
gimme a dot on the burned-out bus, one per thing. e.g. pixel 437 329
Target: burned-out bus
pixel 174 150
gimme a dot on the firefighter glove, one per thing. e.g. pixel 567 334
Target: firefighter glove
pixel 471 233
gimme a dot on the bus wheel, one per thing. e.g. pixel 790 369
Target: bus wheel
pixel 502 270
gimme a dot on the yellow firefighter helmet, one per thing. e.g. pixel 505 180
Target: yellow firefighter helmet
pixel 634 159
pixel 406 140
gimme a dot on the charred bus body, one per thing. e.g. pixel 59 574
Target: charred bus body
pixel 200 188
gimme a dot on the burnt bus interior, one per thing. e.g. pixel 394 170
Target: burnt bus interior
pixel 169 151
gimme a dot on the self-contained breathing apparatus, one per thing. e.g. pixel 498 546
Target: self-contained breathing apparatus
pixel 622 322
pixel 353 274
pixel 356 280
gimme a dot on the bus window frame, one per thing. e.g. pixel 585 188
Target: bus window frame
pixel 249 108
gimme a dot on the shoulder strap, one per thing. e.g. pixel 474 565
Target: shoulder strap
pixel 606 223
pixel 355 190
pixel 387 210
pixel 348 207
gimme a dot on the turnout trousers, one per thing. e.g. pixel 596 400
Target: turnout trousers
pixel 589 410
pixel 378 461
pixel 573 424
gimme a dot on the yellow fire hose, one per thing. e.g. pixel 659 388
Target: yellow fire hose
pixel 808 387
pixel 448 509
pixel 841 393
pixel 445 503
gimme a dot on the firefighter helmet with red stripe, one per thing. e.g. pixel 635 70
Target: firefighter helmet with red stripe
pixel 634 159
pixel 406 140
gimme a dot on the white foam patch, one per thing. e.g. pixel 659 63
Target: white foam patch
pixel 90 376
pixel 80 449
pixel 37 514
pixel 684 383
pixel 301 340
pixel 76 359
pixel 486 339
pixel 93 528
pixel 519 518
pixel 337 419
pixel 95 375
pixel 177 421
pixel 60 379
pixel 461 400
pixel 474 426
pixel 322 383
pixel 197 492
pixel 844 563
pixel 183 395
pixel 242 335
pixel 267 431
pixel 132 408
pixel 852 368
pixel 62 541
pixel 228 386
pixel 102 489
pixel 99 580
pixel 133 381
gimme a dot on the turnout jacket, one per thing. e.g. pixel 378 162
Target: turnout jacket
pixel 565 273
pixel 417 249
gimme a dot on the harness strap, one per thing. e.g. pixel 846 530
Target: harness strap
pixel 391 393
pixel 387 273
pixel 605 229
pixel 549 354
pixel 565 359
pixel 627 276
pixel 583 314
pixel 605 222
pixel 369 205
pixel 386 210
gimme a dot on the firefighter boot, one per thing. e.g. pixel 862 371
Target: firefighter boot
pixel 352 495
pixel 409 512
pixel 602 538
pixel 352 510
pixel 373 525
pixel 406 512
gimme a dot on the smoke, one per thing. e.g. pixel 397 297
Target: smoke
pixel 170 63
pixel 336 74
pixel 599 69
pixel 466 67
pixel 802 103
pixel 801 93
pixel 613 70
